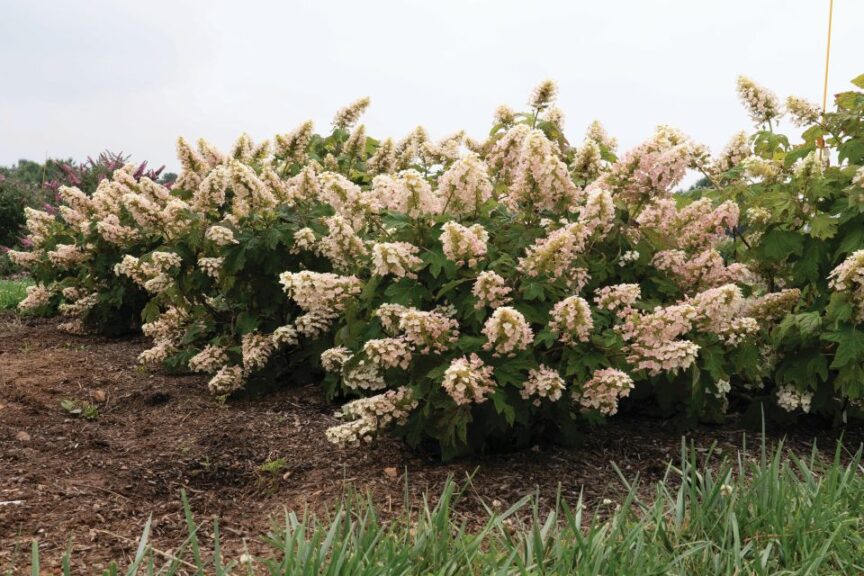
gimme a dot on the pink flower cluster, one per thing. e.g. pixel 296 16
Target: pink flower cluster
pixel 618 298
pixel 652 339
pixel 465 186
pixel 604 390
pixel 721 312
pixel 388 352
pixel 554 254
pixel 651 169
pixel 542 181
pixel 468 380
pixel 395 258
pixel 543 383
pixel 571 320
pixel 697 226
pixel 704 269
pixel 848 277
pixel 507 332
pixel 463 245
pixel 490 289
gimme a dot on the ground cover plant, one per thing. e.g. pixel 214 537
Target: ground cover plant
pixel 771 512
pixel 468 294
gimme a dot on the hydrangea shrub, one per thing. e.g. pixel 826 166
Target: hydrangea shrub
pixel 472 295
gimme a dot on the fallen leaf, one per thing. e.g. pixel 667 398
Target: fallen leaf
pixel 22 436
pixel 391 472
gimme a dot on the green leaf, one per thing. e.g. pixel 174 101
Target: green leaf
pixel 246 323
pixel 534 291
pixel 777 245
pixel 467 343
pixel 839 308
pixel 850 347
pixel 823 226
pixel 852 241
pixel 808 323
pixel 499 399
pixel 848 100
pixel 859 81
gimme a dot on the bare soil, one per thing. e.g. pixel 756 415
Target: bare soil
pixel 91 485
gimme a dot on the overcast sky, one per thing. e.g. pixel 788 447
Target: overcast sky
pixel 83 76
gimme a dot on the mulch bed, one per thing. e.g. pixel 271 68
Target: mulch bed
pixel 92 484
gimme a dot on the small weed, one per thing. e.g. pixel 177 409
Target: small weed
pixel 273 467
pixel 80 409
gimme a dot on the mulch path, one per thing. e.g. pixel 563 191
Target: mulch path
pixel 92 484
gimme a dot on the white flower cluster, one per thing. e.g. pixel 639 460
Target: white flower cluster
pixel 618 297
pixel 791 399
pixel 37 296
pixel 363 375
pixel 571 320
pixel 211 266
pixel 66 255
pixel 463 245
pixel 227 380
pixel 736 151
pixel 598 214
pixel 284 336
pixel 304 240
pixel 761 103
pixel 803 112
pixel 468 380
pixel 507 332
pixel 543 383
pixel 257 349
pixel 628 258
pixel 341 245
pixel 220 235
pixel 542 181
pixel 604 390
pixel 465 186
pixel 408 193
pixel 554 254
pixel 209 360
pixel 320 291
pixel 388 352
pixel 490 289
pixel 848 278
pixel 395 258
pixel 153 275
pixel 428 332
pixel 722 389
pixel 333 359
pixel 370 415
pixel 166 332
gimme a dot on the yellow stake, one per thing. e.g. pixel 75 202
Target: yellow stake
pixel 827 57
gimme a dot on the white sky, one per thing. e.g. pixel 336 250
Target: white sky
pixel 81 76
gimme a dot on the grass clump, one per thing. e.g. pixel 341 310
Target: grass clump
pixel 773 512
pixel 12 292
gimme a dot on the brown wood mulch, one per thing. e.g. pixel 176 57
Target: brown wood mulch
pixel 91 485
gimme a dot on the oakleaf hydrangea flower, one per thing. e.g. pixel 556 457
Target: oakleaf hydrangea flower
pixel 507 332
pixel 468 380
